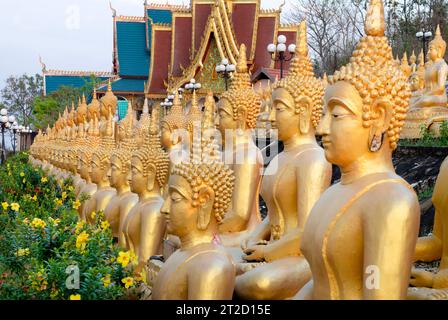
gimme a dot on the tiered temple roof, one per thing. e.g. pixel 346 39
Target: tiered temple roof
pixel 170 44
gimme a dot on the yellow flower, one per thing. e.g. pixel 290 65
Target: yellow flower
pixel 22 252
pixel 54 221
pixel 106 280
pixel 5 205
pixel 24 180
pixel 70 188
pixel 26 221
pixel 76 204
pixel 22 174
pixel 38 223
pixel 75 297
pixel 79 226
pixel 81 240
pixel 58 202
pixel 93 215
pixel 15 206
pixel 128 282
pixel 64 195
pixel 9 173
pixel 43 179
pixel 34 198
pixel 105 225
pixel 124 258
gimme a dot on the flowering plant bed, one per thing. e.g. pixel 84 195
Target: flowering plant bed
pixel 45 251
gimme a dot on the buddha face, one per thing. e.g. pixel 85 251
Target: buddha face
pixel 226 121
pixel 96 172
pixel 285 114
pixel 434 51
pixel 83 168
pixel 181 216
pixel 117 172
pixel 138 181
pixel 168 137
pixel 415 82
pixel 343 136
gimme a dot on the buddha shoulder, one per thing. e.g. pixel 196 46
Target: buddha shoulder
pixel 312 158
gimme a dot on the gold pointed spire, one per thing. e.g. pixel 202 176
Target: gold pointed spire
pixel 301 64
pixel 209 111
pixel 421 58
pixel 109 86
pixel 302 46
pixel 242 59
pixel 375 24
pixel 413 58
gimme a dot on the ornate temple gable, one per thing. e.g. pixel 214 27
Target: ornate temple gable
pixel 290 31
pixel 201 10
pixel 160 59
pixel 208 76
pixel 158 13
pixel 268 22
pixel 244 15
pixel 181 42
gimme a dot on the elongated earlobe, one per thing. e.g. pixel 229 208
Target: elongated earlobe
pixel 206 199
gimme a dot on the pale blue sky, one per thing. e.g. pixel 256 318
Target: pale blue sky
pixel 50 28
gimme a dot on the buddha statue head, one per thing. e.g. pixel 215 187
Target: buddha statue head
pixel 142 128
pixel 121 156
pixel 85 152
pixel 199 193
pixel 82 111
pixel 93 107
pixel 297 98
pixel 366 101
pixel 240 105
pixel 405 67
pixel 101 156
pixel 414 80
pixel 413 59
pixel 108 103
pixel 194 116
pixel 150 163
pixel 437 46
pixel 175 120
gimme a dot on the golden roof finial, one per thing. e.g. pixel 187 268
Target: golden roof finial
pixel 375 24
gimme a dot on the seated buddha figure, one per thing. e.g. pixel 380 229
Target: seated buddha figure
pixel 120 164
pixel 435 75
pixel 87 189
pixel 360 236
pixel 431 105
pixel 238 111
pixel 299 176
pixel 199 195
pixel 428 285
pixel 99 168
pixel 145 226
pixel 81 123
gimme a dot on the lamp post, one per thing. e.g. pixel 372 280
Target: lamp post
pixel 424 37
pixel 225 70
pixel 278 52
pixel 5 123
pixel 14 128
pixel 193 85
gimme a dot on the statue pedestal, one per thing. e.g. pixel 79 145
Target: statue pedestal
pixel 430 118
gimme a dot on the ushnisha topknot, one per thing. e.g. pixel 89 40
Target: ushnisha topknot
pixel 301 81
pixel 241 93
pixel 195 114
pixel 127 143
pixel 151 152
pixel 206 168
pixel 176 118
pixel 374 73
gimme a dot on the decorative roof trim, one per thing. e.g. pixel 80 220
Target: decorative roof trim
pixel 171 7
pixel 130 19
pixel 79 73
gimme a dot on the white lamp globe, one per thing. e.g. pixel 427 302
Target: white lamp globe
pixel 3 112
pixel 292 48
pixel 281 38
pixel 225 61
pixel 193 80
pixel 272 48
pixel 197 86
pixel 281 47
pixel 3 119
pixel 12 118
pixel 428 34
pixel 419 34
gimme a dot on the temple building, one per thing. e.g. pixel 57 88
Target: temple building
pixel 160 51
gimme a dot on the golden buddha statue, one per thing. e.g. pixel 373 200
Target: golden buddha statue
pixel 80 121
pixel 430 108
pixel 145 227
pixel 292 184
pixel 238 111
pixel 88 188
pixel 405 67
pixel 94 107
pixel 99 168
pixel 120 164
pixel 360 236
pixel 428 285
pixel 108 108
pixel 199 196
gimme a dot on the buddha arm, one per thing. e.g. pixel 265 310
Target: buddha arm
pixel 216 281
pixel 390 225
pixel 441 80
pixel 247 180
pixel 312 180
pixel 261 232
pixel 430 248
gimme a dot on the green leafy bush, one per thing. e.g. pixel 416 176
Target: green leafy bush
pixel 41 239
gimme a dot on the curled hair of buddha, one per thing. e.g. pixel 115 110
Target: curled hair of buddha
pixel 206 168
pixel 375 75
pixel 107 143
pixel 127 145
pixel 439 42
pixel 152 152
pixel 195 114
pixel 176 118
pixel 301 81
pixel 241 93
